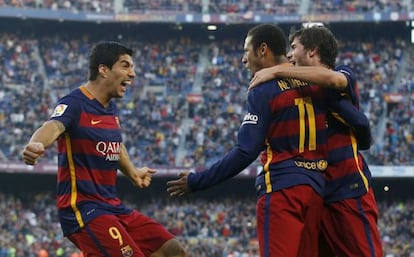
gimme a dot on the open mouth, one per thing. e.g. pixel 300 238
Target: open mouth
pixel 126 83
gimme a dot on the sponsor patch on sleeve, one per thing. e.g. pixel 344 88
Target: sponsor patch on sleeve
pixel 59 110
pixel 250 119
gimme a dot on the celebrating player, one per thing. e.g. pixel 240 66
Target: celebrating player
pixel 86 126
pixel 350 214
pixel 286 122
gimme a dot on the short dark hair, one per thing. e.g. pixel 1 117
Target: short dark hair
pixel 322 39
pixel 107 53
pixel 270 34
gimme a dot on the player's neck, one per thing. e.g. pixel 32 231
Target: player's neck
pixel 98 93
pixel 274 60
pixel 281 60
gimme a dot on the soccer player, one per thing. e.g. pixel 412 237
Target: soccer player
pixel 90 152
pixel 350 215
pixel 286 120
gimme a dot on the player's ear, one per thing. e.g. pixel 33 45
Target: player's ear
pixel 262 49
pixel 103 70
pixel 313 52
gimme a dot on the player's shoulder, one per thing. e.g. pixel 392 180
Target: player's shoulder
pixel 345 69
pixel 72 101
pixel 74 95
pixel 281 84
pixel 278 86
pixel 264 89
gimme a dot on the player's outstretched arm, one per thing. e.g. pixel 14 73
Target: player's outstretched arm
pixel 317 75
pixel 41 139
pixel 179 186
pixel 140 177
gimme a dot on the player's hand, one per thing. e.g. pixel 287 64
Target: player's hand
pixel 32 152
pixel 142 177
pixel 179 187
pixel 261 76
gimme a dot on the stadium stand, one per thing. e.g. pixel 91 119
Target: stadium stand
pixel 210 225
pixel 215 6
pixel 186 105
pixel 166 129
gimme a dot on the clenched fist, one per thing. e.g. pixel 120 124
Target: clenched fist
pixel 32 152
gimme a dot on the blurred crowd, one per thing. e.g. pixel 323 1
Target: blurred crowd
pixel 217 119
pixel 207 228
pixel 150 120
pixel 214 6
pixel 353 6
pixel 160 126
pixel 383 68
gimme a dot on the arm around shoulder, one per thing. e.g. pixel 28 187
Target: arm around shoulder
pixel 317 75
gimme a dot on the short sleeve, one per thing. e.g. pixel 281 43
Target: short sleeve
pixel 67 111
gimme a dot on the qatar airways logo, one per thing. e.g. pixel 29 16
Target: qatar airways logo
pixel 111 150
pixel 250 119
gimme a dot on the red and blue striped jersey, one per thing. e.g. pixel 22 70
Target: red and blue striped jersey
pixel 348 174
pixel 88 160
pixel 286 122
pixel 295 144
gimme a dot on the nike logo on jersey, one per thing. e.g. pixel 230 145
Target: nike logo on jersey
pixel 95 122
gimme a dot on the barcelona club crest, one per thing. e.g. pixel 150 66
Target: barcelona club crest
pixel 127 251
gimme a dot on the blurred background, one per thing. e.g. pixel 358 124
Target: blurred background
pixel 186 106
